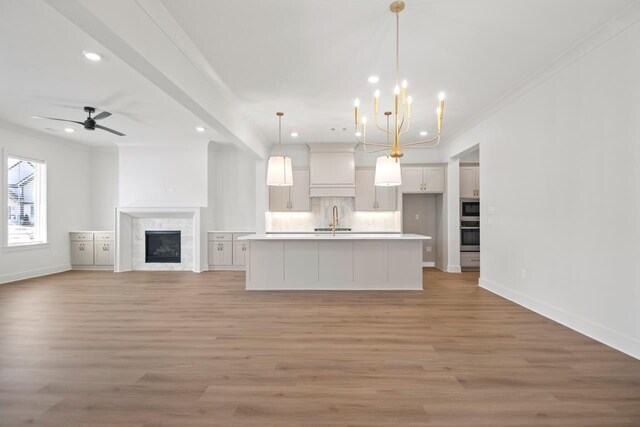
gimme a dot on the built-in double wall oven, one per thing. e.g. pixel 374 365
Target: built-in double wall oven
pixel 470 226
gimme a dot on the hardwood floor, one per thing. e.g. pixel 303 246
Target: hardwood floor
pixel 182 349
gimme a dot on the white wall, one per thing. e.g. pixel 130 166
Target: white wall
pixel 232 189
pixel 104 188
pixel 163 176
pixel 68 201
pixel 561 169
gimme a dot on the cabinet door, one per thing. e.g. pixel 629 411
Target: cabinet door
pixel 412 180
pixel 279 198
pixel 477 182
pixel 239 253
pixel 214 252
pixel 468 182
pixel 365 190
pixel 76 253
pixel 87 253
pixel 103 253
pixel 226 253
pixel 386 198
pixel 433 179
pixel 299 192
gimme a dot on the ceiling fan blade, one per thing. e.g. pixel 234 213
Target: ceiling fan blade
pixel 60 120
pixel 110 130
pixel 102 115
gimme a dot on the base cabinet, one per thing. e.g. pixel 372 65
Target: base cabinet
pixel 92 249
pixel 103 253
pixel 81 253
pixel 226 252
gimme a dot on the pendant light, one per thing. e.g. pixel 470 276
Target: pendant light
pixel 388 173
pixel 279 170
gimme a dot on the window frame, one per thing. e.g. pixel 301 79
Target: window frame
pixel 42 209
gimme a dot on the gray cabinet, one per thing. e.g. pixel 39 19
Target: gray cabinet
pixel 92 249
pixel 291 198
pixel 423 179
pixel 369 197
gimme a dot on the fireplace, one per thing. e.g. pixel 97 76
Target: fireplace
pixel 162 246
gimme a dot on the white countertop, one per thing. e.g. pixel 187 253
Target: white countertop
pixel 230 231
pixel 341 236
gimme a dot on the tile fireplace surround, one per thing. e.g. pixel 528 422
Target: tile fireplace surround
pixel 131 224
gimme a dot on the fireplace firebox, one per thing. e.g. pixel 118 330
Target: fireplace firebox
pixel 162 246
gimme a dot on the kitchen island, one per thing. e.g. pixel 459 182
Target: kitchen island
pixel 340 262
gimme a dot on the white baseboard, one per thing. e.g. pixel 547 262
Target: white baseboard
pixel 30 274
pixel 227 268
pixel 621 342
pixel 454 269
pixel 92 267
pixel 429 264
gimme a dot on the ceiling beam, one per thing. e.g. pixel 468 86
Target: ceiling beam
pixel 144 35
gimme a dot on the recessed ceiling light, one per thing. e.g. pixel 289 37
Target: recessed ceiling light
pixel 69 130
pixel 92 56
pixel 373 79
pixel 423 133
pixel 200 129
pixel 294 134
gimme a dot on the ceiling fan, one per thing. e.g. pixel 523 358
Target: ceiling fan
pixel 90 122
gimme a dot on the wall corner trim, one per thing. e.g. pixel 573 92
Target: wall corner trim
pixel 609 337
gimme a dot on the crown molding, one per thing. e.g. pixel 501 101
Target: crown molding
pixel 629 16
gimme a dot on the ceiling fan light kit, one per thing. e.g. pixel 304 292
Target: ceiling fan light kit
pixel 402 115
pixel 279 168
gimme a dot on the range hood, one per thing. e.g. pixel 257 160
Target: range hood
pixel 332 170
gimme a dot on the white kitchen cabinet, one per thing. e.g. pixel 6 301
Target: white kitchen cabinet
pixel 372 198
pixel 220 253
pixel 291 198
pixel 470 182
pixel 103 252
pixel 423 179
pixel 226 252
pixel 82 253
pixel 92 249
pixel 239 253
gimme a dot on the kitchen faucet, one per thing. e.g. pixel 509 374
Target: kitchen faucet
pixel 334 224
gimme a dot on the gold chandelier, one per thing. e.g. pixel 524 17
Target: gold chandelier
pixel 402 111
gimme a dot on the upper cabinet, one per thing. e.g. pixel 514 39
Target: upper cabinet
pixel 469 182
pixel 372 198
pixel 423 179
pixel 291 198
pixel 332 170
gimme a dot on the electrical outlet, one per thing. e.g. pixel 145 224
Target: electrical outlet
pixel 417 217
pixel 428 248
pixel 523 274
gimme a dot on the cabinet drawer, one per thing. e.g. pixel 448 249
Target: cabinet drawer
pixel 236 235
pixel 470 259
pixel 220 236
pixel 105 237
pixel 81 237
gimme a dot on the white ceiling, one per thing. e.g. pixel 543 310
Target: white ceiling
pixel 308 58
pixel 44 73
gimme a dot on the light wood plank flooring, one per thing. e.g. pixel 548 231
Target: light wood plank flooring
pixel 184 349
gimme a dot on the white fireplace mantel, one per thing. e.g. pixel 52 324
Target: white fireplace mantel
pixel 124 233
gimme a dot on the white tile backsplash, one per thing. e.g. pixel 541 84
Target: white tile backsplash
pixel 321 216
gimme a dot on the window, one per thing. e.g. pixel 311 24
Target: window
pixel 26 208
